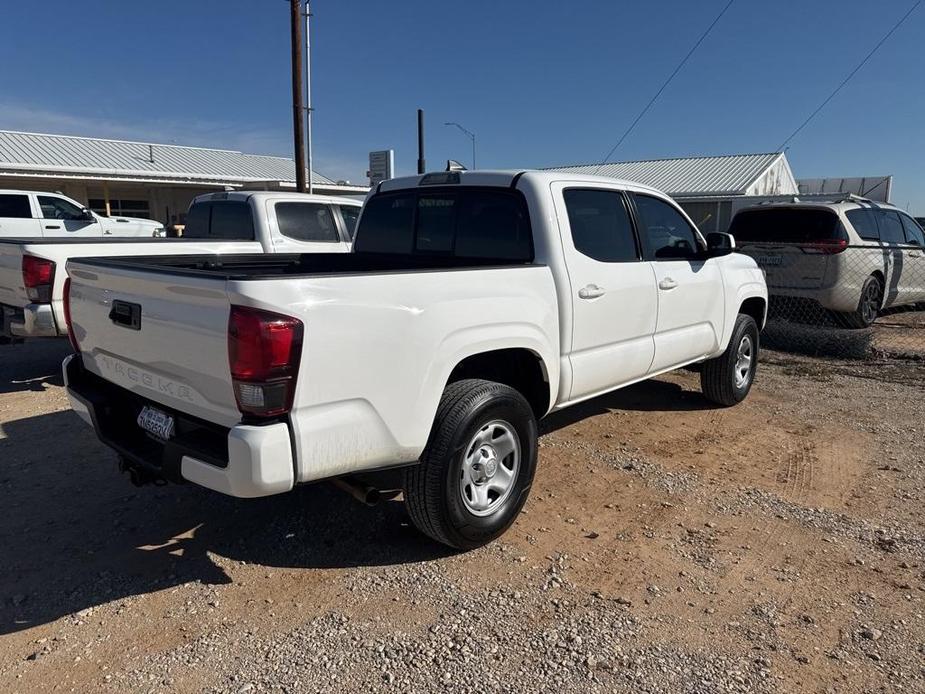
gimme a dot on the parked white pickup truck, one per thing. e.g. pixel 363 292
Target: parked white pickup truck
pixel 35 214
pixel 32 270
pixel 474 304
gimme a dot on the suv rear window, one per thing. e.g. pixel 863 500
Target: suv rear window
pixel 219 219
pixel 786 225
pixel 464 222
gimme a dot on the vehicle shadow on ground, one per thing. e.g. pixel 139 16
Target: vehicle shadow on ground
pixel 646 396
pixel 30 365
pixel 75 534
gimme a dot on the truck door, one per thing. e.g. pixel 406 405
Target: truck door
pixel 17 218
pixel 61 217
pixel 691 304
pixel 613 296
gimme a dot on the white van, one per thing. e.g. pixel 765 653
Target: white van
pixel 853 256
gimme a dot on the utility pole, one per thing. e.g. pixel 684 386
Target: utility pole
pixel 471 136
pixel 421 164
pixel 308 95
pixel 298 143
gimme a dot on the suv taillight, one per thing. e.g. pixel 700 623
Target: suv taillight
pixel 38 276
pixel 826 246
pixel 264 349
pixel 71 335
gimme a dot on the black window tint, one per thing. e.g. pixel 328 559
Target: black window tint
pixel 306 221
pixel 15 206
pixel 475 223
pixel 914 232
pixel 786 225
pixel 197 220
pixel 436 224
pixel 864 223
pixel 668 235
pixel 493 225
pixel 350 213
pixel 891 229
pixel 387 225
pixel 58 208
pixel 601 226
pixel 231 219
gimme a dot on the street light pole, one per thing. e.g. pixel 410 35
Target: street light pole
pixel 471 136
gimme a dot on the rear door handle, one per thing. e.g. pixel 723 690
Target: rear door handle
pixel 591 291
pixel 915 254
pixel 667 283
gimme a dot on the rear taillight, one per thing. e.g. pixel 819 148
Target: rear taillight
pixel 71 335
pixel 264 349
pixel 826 246
pixel 38 276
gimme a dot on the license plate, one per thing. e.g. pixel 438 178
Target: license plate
pixel 156 423
pixel 769 259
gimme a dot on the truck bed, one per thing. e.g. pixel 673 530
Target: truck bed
pixel 261 266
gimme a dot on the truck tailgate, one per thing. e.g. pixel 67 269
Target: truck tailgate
pixel 12 290
pixel 159 336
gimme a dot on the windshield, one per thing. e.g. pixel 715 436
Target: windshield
pixel 786 225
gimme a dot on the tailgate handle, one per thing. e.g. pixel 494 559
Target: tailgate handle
pixel 126 314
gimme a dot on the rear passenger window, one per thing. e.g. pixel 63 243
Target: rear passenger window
pixel 16 206
pixel 891 228
pixel 668 235
pixel 350 213
pixel 600 224
pixel 306 221
pixel 864 223
pixel 914 234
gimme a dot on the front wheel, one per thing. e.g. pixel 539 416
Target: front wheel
pixel 476 470
pixel 726 379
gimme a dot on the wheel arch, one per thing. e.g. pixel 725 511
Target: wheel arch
pixel 521 368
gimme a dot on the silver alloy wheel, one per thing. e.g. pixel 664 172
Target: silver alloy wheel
pixel 489 468
pixel 744 356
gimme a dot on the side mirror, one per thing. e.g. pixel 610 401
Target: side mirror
pixel 719 244
pixel 87 216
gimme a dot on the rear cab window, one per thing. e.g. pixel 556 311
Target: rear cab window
pixel 474 222
pixel 220 219
pixel 787 225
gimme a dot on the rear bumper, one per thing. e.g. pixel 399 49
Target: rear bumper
pixel 832 298
pixel 32 320
pixel 243 461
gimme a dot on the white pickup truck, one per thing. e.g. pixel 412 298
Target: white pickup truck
pixel 474 303
pixel 35 214
pixel 32 270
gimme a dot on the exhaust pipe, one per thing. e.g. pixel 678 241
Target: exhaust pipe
pixel 361 492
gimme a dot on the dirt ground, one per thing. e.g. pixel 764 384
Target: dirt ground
pixel 667 546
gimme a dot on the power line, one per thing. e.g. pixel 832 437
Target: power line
pixel 850 75
pixel 664 85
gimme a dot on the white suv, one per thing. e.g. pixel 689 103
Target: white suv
pixel 853 256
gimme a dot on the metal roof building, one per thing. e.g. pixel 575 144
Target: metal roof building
pixel 708 188
pixel 141 178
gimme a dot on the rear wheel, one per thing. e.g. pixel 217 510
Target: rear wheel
pixel 726 379
pixel 868 305
pixel 476 470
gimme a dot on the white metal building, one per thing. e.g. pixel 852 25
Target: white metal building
pixel 706 187
pixel 142 179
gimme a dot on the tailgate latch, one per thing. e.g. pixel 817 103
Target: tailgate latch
pixel 126 314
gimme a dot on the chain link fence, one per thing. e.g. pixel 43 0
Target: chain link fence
pixel 837 300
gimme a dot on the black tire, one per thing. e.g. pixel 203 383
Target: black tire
pixel 869 304
pixel 719 380
pixel 432 488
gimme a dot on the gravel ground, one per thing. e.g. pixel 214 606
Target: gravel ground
pixel 778 546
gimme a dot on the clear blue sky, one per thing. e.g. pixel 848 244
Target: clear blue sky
pixel 540 82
